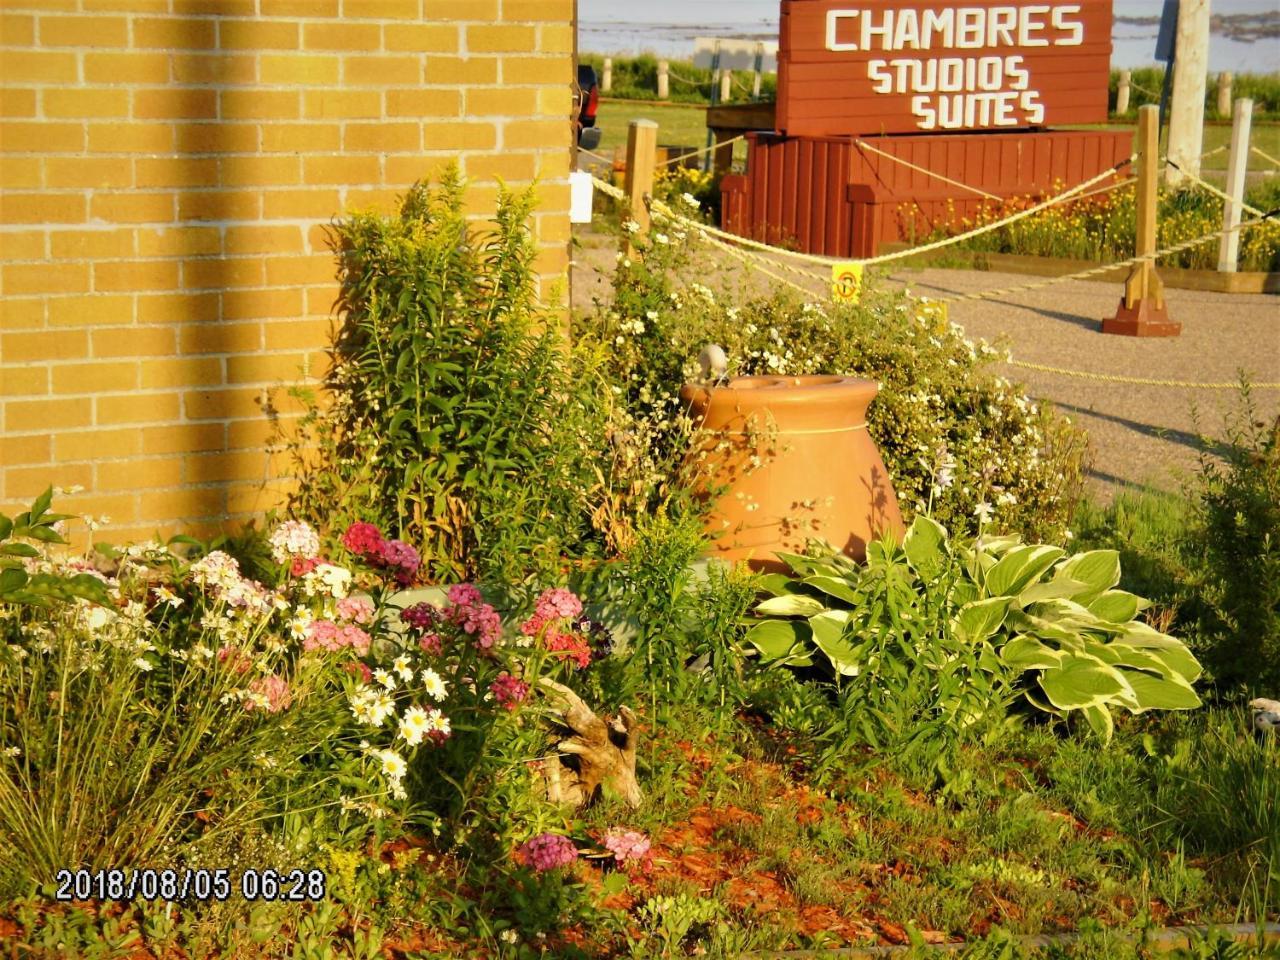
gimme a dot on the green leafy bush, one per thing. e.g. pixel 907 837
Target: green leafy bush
pixel 18 539
pixel 944 628
pixel 455 414
pixel 952 433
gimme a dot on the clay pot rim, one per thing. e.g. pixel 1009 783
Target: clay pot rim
pixel 780 391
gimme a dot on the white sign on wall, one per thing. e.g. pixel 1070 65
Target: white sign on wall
pixel 735 54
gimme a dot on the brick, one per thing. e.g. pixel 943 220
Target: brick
pixel 461 136
pixel 257 34
pixel 301 137
pixel 17 102
pixel 381 70
pixel 258 104
pixel 24 381
pixel 214 68
pixel 135 342
pixel 345 104
pixel 129 6
pixel 27 482
pixel 556 38
pixel 17 30
pixel 509 166
pixel 382 137
pixel 537 134
pixel 555 101
pixel 137 408
pixel 340 170
pixel 385 9
pixel 290 70
pixel 424 103
pixel 90 244
pixel 26 451
pixel 385 200
pixel 176 172
pixel 500 38
pixel 480 200
pixel 422 37
pixel 170 33
pixel 232 404
pixel 126 68
pixel 179 241
pixel 320 302
pixel 503 101
pixel 536 70
pixel 181 372
pixel 95 309
pixel 300 335
pixel 24 66
pixel 182 505
pixel 460 70
pixel 218 273
pixel 21 313
pixel 264 368
pixel 461 9
pixel 216 8
pixel 20 137
pixel 177 308
pixel 218 205
pixel 553 166
pixel 299 8
pixel 554 10
pixel 130 138
pixel 220 338
pixel 79 103
pixel 250 434
pixel 20 278
pixel 294 271
pixel 20 173
pixel 45 345
pixel 261 304
pixel 261 239
pixel 175 103
pixel 139 474
pixel 308 203
pixel 132 207
pixel 216 138
pixel 260 171
pixel 135 275
pixel 187 438
pixel 32 416
pixel 24 245
pixel 253 499
pixel 97 31
pixel 110 377
pixel 341 36
pixel 87 172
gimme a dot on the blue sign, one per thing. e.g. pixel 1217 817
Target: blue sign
pixel 1168 31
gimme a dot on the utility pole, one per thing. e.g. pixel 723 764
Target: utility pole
pixel 1186 113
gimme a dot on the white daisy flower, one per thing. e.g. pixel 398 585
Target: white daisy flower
pixel 433 685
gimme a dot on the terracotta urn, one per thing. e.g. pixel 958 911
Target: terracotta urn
pixel 789 460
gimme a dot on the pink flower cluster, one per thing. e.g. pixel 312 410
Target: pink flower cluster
pixel 327 635
pixel 355 609
pixel 547 851
pixel 509 691
pixel 365 540
pixel 626 845
pixel 552 609
pixel 426 618
pixel 468 610
pixel 275 689
pixel 570 645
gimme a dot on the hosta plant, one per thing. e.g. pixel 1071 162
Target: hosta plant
pixel 984 615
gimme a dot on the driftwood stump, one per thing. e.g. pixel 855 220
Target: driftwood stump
pixel 595 750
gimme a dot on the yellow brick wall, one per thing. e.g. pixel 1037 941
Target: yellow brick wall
pixel 167 171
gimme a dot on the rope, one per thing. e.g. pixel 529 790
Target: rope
pixel 1108 267
pixel 1149 93
pixel 1266 156
pixel 1141 381
pixel 700 152
pixel 1226 197
pixel 1209 153
pixel 688 83
pixel 863 145
pixel 589 153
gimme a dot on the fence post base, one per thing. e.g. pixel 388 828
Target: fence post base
pixel 1143 319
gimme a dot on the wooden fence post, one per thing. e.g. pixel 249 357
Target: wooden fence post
pixel 664 83
pixel 1142 311
pixel 606 76
pixel 1122 92
pixel 1237 166
pixel 642 147
pixel 1186 109
pixel 1224 94
pixel 726 85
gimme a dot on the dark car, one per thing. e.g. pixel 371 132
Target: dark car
pixel 586 99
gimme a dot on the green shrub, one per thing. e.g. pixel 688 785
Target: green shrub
pixel 636 78
pixel 455 416
pixel 952 434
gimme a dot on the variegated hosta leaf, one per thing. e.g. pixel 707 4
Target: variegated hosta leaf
pixel 838 587
pixel 1117 606
pixel 978 620
pixel 1100 569
pixel 1025 652
pixel 829 632
pixel 1100 721
pixel 1155 693
pixel 1081 681
pixel 1019 568
pixel 790 605
pixel 925 545
pixel 782 641
pixel 1065 589
pixel 777 584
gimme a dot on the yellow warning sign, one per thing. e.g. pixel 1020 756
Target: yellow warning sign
pixel 846 282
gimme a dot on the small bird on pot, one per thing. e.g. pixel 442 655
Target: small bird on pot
pixel 714 363
pixel 1266 716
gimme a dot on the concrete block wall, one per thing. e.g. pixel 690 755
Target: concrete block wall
pixel 167 172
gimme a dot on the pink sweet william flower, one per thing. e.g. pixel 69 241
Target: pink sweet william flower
pixel 468 610
pixel 552 605
pixel 547 851
pixel 509 691
pixel 626 845
pixel 363 539
pixel 568 645
pixel 301 566
pixel 327 635
pixel 401 558
pixel 276 691
pixel 357 666
pixel 236 660
pixel 355 609
pixel 465 595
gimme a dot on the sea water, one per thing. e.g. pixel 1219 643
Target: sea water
pixel 668 27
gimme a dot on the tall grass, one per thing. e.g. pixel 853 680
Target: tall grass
pixel 636 78
pixel 1146 83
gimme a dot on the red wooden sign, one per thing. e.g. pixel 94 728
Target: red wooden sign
pixel 913 66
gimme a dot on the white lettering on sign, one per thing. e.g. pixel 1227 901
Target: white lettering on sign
pixel 955 92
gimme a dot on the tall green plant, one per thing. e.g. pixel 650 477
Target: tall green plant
pixel 458 418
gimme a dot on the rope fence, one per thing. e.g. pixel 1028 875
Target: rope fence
pixel 863 145
pixel 702 150
pixel 1266 156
